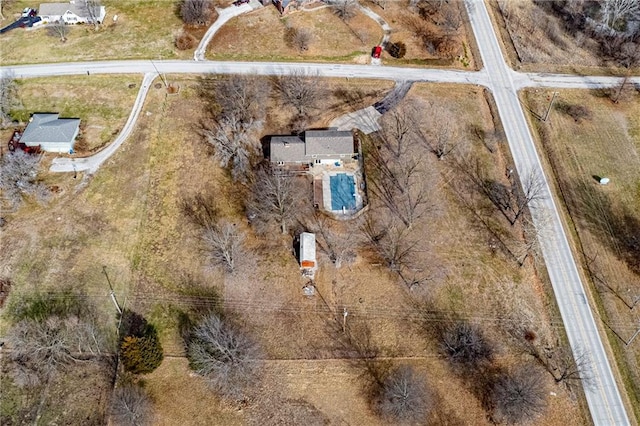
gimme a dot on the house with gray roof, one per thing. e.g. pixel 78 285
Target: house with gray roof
pixel 74 12
pixel 329 147
pixel 51 133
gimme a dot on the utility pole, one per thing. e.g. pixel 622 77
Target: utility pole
pixel 112 293
pixel 161 76
pixel 550 105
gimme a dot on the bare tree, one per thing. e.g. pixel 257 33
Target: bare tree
pixel 93 11
pixel 224 244
pixel 240 97
pixel 465 344
pixel 8 93
pixel 131 406
pixel 612 12
pixel 224 355
pixel 404 396
pixel 237 107
pixel 397 176
pixel 58 29
pixel 50 345
pixel 196 12
pixel 235 146
pixel 302 39
pixel 518 396
pixel 568 367
pixel 344 9
pixel 339 243
pixel 18 177
pixel 273 199
pixel 301 90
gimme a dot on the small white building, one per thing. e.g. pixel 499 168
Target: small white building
pixel 74 12
pixel 50 133
pixel 308 263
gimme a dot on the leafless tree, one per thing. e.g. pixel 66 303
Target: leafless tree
pixel 93 11
pixel 240 97
pixel 58 29
pixel 224 244
pixel 48 346
pixel 302 39
pixel 131 406
pixel 227 357
pixel 344 9
pixel 397 176
pixel 465 344
pixel 511 199
pixel 301 90
pixel 273 199
pixel 18 177
pixel 339 243
pixel 518 396
pixel 235 146
pixel 196 12
pixel 569 367
pixel 613 11
pixel 404 396
pixel 8 93
pixel 451 20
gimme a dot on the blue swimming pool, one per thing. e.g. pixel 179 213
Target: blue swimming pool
pixel 343 189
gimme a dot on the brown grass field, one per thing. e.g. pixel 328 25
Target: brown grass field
pixel 605 144
pixel 528 46
pixel 128 218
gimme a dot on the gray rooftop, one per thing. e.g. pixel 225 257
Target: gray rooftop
pixel 321 143
pixel 55 9
pixel 328 142
pixel 49 128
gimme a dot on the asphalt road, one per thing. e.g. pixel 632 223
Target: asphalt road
pixel 603 397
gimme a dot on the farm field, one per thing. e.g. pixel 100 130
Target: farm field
pixel 129 217
pixel 589 137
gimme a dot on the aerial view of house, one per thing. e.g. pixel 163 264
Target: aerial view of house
pixel 320 212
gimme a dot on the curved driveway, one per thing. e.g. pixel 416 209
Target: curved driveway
pixel 92 163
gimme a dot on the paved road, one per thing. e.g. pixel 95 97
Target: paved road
pixel 520 80
pixel 603 398
pixel 92 163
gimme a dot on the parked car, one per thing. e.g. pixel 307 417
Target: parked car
pixel 377 51
pixel 240 2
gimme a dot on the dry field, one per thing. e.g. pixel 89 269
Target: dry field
pixel 128 217
pixel 144 29
pixel 260 35
pixel 102 103
pixel 606 143
pixel 534 40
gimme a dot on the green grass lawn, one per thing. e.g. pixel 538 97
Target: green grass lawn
pixel 102 103
pixel 144 29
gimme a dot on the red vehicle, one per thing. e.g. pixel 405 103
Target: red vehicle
pixel 377 51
